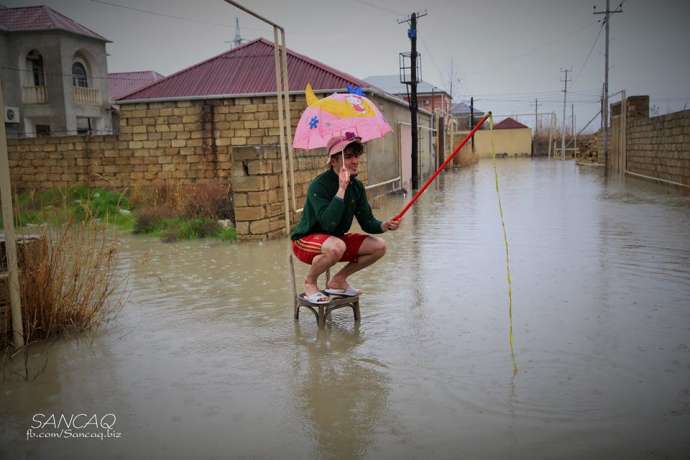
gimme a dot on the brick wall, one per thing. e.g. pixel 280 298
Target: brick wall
pixel 658 146
pixel 257 180
pixel 188 141
pixel 185 141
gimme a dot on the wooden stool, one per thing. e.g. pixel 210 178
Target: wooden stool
pixel 321 311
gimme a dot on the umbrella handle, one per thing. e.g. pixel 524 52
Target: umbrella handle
pixel 440 168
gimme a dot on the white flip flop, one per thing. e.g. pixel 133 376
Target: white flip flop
pixel 349 292
pixel 318 298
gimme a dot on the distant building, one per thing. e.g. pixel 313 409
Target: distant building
pixel 121 84
pixel 462 113
pixel 429 97
pixel 54 73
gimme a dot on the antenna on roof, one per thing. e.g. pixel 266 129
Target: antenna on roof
pixel 238 40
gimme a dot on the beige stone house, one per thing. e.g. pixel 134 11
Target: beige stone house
pixel 510 139
pixel 54 72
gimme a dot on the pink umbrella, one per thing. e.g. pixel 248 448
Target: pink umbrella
pixel 337 115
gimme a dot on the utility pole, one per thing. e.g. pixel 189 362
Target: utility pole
pixel 472 119
pixel 412 35
pixel 574 136
pixel 536 125
pixel 12 274
pixel 552 122
pixel 605 111
pixel 435 125
pixel 452 77
pixel 572 122
pixel 565 95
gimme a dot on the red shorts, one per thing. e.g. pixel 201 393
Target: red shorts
pixel 308 247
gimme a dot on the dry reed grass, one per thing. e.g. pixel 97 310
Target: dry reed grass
pixel 210 199
pixel 67 282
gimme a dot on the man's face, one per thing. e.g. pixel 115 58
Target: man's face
pixel 351 162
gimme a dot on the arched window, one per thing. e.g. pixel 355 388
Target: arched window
pixel 34 64
pixel 79 75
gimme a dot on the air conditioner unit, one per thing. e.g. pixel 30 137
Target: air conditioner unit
pixel 11 114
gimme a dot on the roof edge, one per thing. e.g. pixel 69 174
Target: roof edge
pixel 383 95
pixel 193 66
pixel 217 96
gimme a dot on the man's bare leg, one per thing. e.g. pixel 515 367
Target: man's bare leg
pixel 371 250
pixel 331 251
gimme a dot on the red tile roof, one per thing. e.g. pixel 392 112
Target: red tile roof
pixel 122 83
pixel 509 123
pixel 35 18
pixel 245 70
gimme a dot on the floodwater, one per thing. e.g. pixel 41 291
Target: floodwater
pixel 205 361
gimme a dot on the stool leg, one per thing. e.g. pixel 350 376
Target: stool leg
pixel 355 309
pixel 322 316
pixel 296 310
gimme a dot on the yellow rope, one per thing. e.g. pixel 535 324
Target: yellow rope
pixel 505 241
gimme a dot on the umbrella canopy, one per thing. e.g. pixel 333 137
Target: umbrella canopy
pixel 337 115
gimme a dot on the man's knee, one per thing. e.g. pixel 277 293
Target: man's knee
pixel 334 248
pixel 378 246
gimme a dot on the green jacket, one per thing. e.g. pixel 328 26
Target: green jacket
pixel 326 213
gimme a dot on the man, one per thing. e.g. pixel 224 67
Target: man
pixel 321 237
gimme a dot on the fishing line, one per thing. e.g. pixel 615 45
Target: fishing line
pixel 505 241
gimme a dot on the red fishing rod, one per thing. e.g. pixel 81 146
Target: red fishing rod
pixel 440 168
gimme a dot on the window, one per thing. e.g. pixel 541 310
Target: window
pixel 34 64
pixel 79 75
pixel 83 125
pixel 42 130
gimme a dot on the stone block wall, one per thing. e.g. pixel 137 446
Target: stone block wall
pixel 659 146
pixel 157 141
pixel 258 196
pixel 187 142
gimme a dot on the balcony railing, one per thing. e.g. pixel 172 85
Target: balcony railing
pixel 34 95
pixel 85 96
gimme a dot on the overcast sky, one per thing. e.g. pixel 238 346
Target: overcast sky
pixel 506 53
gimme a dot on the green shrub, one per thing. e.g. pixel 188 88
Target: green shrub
pixel 228 234
pixel 78 203
pixel 151 219
pixel 189 229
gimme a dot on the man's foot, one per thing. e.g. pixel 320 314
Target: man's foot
pixel 313 295
pixel 340 287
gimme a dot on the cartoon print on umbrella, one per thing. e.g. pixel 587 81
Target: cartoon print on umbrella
pixel 336 115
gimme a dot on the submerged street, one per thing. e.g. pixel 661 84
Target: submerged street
pixel 205 360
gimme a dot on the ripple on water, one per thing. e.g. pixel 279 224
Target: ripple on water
pixel 548 387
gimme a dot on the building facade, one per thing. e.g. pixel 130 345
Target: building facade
pixel 54 75
pixel 429 97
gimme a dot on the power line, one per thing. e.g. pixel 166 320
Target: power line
pixel 156 13
pixel 380 8
pixel 538 48
pixel 184 19
pixel 584 64
pixel 56 74
pixel 433 61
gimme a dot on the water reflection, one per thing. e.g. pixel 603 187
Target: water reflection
pixel 342 394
